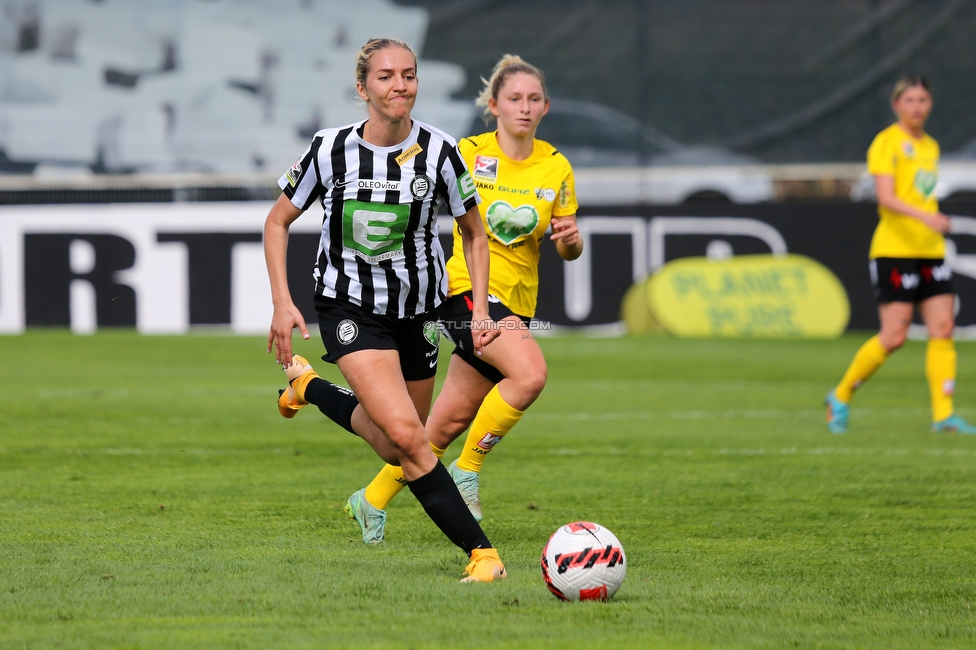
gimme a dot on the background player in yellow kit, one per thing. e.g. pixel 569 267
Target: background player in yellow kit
pixel 907 256
pixel 526 186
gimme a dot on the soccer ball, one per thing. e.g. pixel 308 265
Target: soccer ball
pixel 583 561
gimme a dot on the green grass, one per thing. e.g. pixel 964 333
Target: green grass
pixel 152 497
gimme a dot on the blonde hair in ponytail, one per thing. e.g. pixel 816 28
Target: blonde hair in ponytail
pixel 508 65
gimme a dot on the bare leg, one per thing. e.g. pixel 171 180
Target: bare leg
pixel 375 377
pixel 457 403
pixel 937 315
pixel 516 354
pixel 895 317
pixel 421 392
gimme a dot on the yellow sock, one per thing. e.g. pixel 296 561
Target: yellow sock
pixel 868 359
pixel 940 369
pixel 388 483
pixel 495 418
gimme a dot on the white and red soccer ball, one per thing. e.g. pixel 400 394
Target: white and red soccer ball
pixel 583 561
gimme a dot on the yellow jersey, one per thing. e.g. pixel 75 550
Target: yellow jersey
pixel 518 198
pixel 914 166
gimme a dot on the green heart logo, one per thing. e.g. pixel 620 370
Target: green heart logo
pixel 508 224
pixel 925 182
pixel 431 333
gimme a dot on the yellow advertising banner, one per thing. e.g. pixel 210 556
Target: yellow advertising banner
pixel 746 296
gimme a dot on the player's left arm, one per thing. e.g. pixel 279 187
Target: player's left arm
pixel 474 243
pixel 566 237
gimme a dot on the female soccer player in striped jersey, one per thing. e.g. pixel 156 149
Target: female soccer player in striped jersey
pixel 907 260
pixel 526 186
pixel 380 278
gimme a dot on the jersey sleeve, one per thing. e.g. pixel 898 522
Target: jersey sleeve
pixel 566 204
pixel 459 188
pixel 301 184
pixel 881 156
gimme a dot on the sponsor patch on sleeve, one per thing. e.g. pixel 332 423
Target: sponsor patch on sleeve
pixel 465 186
pixel 565 195
pixel 294 173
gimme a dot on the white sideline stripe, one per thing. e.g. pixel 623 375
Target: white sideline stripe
pixel 611 451
pixel 87 393
pixel 135 451
pixel 762 451
pixel 846 451
pixel 729 414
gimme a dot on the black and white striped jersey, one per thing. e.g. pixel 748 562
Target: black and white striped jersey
pixel 379 246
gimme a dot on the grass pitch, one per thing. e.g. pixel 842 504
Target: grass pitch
pixel 152 497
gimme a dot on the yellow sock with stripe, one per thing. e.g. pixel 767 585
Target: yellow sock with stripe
pixel 869 358
pixel 495 418
pixel 388 483
pixel 940 370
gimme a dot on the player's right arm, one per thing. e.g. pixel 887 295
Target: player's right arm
pixel 286 315
pixel 884 187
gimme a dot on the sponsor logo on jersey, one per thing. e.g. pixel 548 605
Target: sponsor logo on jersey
pixel 545 194
pixel 294 173
pixel 508 224
pixel 388 186
pixel 420 186
pixel 339 182
pixel 409 153
pixel 565 195
pixel 465 186
pixel 925 182
pixel 485 168
pixel 374 231
pixel 347 331
pixel 431 333
pixel 481 185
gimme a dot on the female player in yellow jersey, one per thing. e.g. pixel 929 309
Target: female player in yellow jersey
pixel 907 260
pixel 526 186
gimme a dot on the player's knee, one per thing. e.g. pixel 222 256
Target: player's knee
pixel 535 381
pixel 894 340
pixel 942 330
pixel 406 438
pixel 530 384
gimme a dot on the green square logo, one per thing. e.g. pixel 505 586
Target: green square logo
pixel 375 231
pixel 465 186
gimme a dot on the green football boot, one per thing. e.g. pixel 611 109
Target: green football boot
pixel 372 520
pixel 467 484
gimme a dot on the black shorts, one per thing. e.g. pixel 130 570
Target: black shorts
pixel 902 279
pixel 455 315
pixel 346 328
